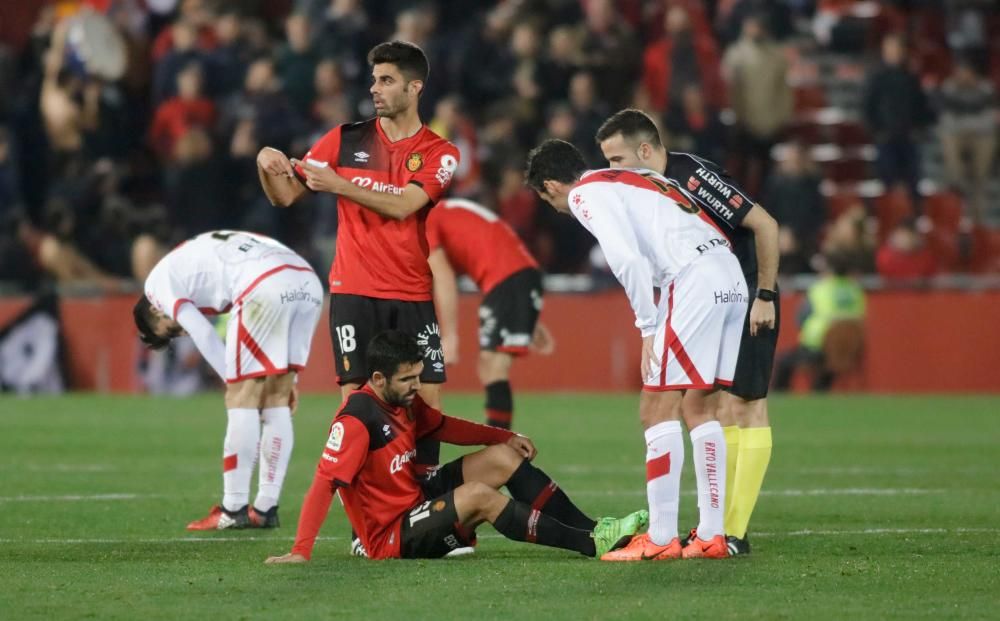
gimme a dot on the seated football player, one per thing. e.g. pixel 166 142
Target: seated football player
pixel 368 458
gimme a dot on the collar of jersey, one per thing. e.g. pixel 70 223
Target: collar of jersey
pixel 399 143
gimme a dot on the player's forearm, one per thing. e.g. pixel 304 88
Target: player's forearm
pixel 280 190
pixel 467 433
pixel 766 241
pixel 445 296
pixel 638 284
pixel 385 204
pixel 314 511
pixel 204 336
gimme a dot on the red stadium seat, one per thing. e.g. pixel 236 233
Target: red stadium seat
pixel 892 208
pixel 943 244
pixel 839 202
pixel 850 134
pixel 810 97
pixel 846 169
pixel 944 210
pixel 985 255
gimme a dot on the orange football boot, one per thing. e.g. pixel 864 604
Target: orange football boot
pixel 713 548
pixel 641 548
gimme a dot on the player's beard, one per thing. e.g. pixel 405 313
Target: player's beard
pixel 391 108
pixel 399 399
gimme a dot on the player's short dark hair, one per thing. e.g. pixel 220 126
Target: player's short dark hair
pixel 409 58
pixel 554 160
pixel 632 124
pixel 145 319
pixel 390 349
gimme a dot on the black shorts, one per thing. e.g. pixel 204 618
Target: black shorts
pixel 356 319
pixel 756 358
pixel 509 312
pixel 431 529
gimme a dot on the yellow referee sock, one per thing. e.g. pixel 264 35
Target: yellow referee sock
pixel 732 434
pixel 751 465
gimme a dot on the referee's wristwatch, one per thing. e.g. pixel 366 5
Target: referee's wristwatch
pixel 766 295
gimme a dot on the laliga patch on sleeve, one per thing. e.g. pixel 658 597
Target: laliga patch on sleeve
pixel 336 437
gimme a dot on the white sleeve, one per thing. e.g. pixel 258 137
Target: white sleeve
pixel 601 212
pixel 204 336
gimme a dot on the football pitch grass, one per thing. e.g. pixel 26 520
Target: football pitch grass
pixel 873 508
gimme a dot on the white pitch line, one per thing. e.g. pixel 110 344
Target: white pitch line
pixel 75 497
pixel 849 491
pixel 794 533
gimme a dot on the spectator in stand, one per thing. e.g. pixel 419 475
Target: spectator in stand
pixel 453 124
pixel 184 49
pixel 486 75
pixel 345 36
pixel 904 255
pixel 262 103
pixel 334 104
pixel 516 204
pixel 682 57
pixel 610 49
pixel 851 238
pixel 793 198
pixel 589 112
pixel 836 296
pixel 563 58
pixel 967 117
pixel 895 109
pixel 296 62
pixel 177 115
pixel 231 56
pixel 696 127
pixel 757 73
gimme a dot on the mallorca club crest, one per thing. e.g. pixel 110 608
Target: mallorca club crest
pixel 415 162
pixel 693 184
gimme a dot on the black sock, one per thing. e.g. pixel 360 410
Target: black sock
pixel 520 522
pixel 530 485
pixel 499 404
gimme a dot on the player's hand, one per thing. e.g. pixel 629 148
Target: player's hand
pixel 523 445
pixel 449 344
pixel 293 400
pixel 286 559
pixel 320 178
pixel 761 316
pixel 274 162
pixel 649 359
pixel 542 341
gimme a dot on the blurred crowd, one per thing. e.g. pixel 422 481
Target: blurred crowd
pixel 130 125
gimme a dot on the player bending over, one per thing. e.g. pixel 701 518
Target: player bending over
pixel 368 458
pixel 629 139
pixel 469 238
pixel 652 235
pixel 274 300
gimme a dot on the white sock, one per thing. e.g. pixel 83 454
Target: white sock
pixel 238 455
pixel 276 441
pixel 664 461
pixel 709 445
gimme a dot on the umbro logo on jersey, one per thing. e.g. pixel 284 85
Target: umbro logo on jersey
pixel 361 156
pixel 387 431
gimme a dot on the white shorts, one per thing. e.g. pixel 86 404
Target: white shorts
pixel 271 325
pixel 699 325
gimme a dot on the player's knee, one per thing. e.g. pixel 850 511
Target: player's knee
pixel 493 366
pixel 277 390
pixel 245 393
pixel 505 459
pixel 480 498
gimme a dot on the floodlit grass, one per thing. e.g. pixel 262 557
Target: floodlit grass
pixel 874 508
